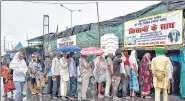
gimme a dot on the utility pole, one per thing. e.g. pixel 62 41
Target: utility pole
pixel 56 37
pixel 8 46
pixel 12 47
pixel 71 18
pixel 4 44
pixel 98 24
pixel 71 13
pixel 56 33
pixel 45 25
pixel 27 39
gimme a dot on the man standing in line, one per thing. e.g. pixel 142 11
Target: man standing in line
pixel 160 70
pixel 73 76
pixel 109 74
pixel 64 75
pixel 116 73
pixel 48 64
pixel 55 71
pixel 125 71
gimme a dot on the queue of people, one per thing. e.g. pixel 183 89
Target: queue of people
pixel 53 74
pixel 59 72
pixel 124 71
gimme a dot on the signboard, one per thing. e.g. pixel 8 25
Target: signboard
pixel 159 30
pixel 71 40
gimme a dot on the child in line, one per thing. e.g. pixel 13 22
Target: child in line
pixel 32 68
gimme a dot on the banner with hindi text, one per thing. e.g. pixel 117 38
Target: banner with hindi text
pixel 71 40
pixel 159 30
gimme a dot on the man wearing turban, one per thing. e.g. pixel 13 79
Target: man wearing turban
pixel 160 69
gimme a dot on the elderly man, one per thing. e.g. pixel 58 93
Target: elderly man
pixel 160 69
pixel 109 74
pixel 64 75
pixel 55 71
pixel 73 76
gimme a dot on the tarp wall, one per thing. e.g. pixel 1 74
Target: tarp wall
pixel 87 34
pixel 90 37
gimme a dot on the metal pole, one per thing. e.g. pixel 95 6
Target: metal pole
pixel 48 31
pixel 4 44
pixel 98 24
pixel 56 33
pixel 43 36
pixel 27 39
pixel 71 18
pixel 71 13
pixel 12 47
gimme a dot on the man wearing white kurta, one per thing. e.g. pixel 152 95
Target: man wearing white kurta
pixel 109 74
pixel 64 75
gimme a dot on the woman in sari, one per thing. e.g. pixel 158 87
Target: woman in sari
pixel 7 79
pixel 145 77
pixel 85 73
pixel 134 85
pixel 20 69
pixel 100 72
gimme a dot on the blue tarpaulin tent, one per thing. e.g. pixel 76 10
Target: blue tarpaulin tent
pixel 6 57
pixel 18 46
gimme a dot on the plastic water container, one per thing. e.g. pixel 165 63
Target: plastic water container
pixel 109 43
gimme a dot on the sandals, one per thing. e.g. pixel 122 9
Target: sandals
pixel 72 98
pixel 85 99
pixel 100 96
pixel 4 95
pixel 148 97
pixel 64 99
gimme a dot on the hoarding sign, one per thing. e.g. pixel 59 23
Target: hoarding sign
pixel 66 41
pixel 161 29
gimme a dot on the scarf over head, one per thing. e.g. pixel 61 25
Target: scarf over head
pixel 18 64
pixel 144 66
pixel 132 58
pixel 127 58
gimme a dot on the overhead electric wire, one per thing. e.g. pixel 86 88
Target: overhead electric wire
pixel 58 3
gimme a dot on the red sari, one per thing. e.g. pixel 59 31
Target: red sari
pixel 7 79
pixel 145 78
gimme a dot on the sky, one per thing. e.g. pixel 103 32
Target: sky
pixel 20 19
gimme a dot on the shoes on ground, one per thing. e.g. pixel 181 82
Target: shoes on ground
pixel 116 98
